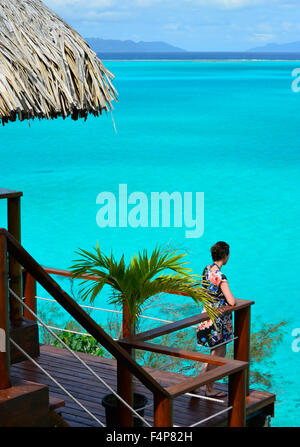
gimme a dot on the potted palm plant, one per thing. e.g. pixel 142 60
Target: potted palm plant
pixel 132 284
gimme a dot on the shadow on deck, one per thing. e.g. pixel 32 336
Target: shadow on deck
pixel 89 391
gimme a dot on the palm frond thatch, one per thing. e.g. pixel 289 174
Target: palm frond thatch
pixel 47 70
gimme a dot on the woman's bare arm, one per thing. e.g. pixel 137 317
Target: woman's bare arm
pixel 227 293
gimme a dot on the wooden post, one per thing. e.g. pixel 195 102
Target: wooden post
pixel 29 293
pixel 242 343
pixel 124 377
pixel 237 399
pixel 163 413
pixel 14 228
pixel 125 390
pixel 4 319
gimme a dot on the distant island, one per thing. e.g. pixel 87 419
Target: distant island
pixel 292 47
pixel 128 46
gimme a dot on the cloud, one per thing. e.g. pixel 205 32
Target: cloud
pixel 176 28
pixel 227 4
pixel 93 11
pixel 145 3
pixel 130 4
pixel 289 5
pixel 172 26
pixel 99 4
pixel 186 23
pixel 261 37
pixel 67 8
pixel 105 16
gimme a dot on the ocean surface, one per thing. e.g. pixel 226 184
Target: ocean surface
pixel 228 129
pixel 203 56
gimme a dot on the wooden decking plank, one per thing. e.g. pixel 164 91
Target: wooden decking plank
pixel 85 391
pixel 71 407
pixel 70 371
pixel 98 361
pixel 83 385
pixel 104 369
pixel 67 356
pixel 177 400
pixel 73 420
pixel 77 391
pixel 75 410
pixel 159 375
pixel 61 352
pixel 186 418
pixel 85 380
pixel 261 393
pixel 72 362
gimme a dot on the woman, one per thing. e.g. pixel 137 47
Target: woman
pixel 208 334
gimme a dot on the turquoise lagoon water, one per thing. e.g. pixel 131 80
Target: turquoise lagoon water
pixel 229 129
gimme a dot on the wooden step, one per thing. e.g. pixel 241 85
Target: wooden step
pixel 24 404
pixel 25 333
pixel 56 419
pixel 55 402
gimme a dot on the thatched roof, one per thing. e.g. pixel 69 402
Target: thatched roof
pixel 46 68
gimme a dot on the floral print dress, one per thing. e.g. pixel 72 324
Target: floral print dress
pixel 207 334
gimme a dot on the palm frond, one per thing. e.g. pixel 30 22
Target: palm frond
pixel 143 278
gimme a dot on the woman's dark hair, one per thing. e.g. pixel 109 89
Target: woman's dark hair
pixel 219 251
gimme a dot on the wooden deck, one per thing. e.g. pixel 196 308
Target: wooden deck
pixel 89 391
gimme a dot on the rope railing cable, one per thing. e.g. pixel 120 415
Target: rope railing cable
pixel 56 382
pixel 79 359
pixel 220 344
pixel 143 316
pixel 71 332
pixel 107 310
pixel 205 350
pixel 199 396
pixel 166 321
pixel 211 417
pixel 66 330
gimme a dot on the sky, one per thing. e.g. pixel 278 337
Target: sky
pixel 194 25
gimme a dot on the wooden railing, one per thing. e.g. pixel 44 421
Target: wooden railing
pixel 237 369
pixel 238 385
pixel 242 317
pixel 10 245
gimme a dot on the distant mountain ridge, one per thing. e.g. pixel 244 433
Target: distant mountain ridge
pixel 292 47
pixel 128 46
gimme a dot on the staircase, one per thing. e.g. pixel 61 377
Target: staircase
pixel 28 404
